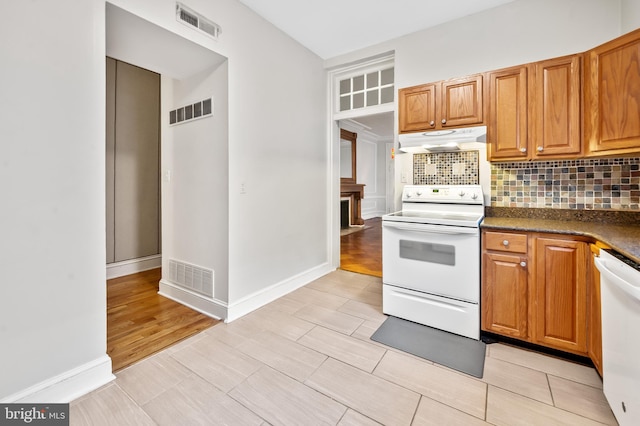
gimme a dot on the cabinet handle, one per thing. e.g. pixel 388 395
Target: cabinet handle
pixel 523 264
pixel 523 150
pixel 540 149
pixel 444 121
pixel 432 123
pixel 505 243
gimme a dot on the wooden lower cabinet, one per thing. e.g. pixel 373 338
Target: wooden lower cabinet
pixel 594 323
pixel 504 296
pixel 538 295
pixel 561 294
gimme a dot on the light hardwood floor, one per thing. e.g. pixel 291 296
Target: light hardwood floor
pixel 307 358
pixel 362 251
pixel 140 322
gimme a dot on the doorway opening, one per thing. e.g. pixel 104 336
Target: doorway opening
pixel 139 320
pixel 362 102
pixel 369 185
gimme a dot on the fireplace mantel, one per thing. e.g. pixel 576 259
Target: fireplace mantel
pixel 355 192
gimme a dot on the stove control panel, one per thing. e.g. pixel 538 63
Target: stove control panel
pixel 464 194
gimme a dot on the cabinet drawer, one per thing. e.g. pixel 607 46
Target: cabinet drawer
pixel 505 241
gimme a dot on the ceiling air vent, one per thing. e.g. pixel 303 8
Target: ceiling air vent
pixel 195 20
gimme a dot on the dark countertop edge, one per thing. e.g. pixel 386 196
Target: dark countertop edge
pixel 597 231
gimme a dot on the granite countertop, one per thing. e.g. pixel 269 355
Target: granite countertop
pixel 618 230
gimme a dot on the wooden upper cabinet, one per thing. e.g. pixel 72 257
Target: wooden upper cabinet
pixel 561 294
pixel 507 114
pixel 461 102
pixel 417 108
pixel 612 97
pixel 554 109
pixel 534 111
pixel 451 103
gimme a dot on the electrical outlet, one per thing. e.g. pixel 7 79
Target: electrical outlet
pixel 243 188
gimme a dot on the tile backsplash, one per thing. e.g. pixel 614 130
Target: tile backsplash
pixel 446 168
pixel 592 184
pixel 584 184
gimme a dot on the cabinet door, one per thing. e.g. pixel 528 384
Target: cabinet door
pixel 507 124
pixel 417 108
pixel 612 96
pixel 594 329
pixel 561 294
pixel 461 101
pixel 555 108
pixel 504 294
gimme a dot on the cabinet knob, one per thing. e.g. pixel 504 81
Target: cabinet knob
pixel 444 121
pixel 432 123
pixel 505 243
pixel 523 150
pixel 523 264
pixel 540 149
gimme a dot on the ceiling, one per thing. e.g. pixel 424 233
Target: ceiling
pixel 137 41
pixel 380 125
pixel 333 27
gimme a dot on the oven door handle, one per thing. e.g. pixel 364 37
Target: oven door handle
pixel 431 229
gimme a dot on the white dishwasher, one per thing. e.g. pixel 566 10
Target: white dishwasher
pixel 620 289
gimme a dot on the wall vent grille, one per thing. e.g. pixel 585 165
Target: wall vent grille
pixel 191 277
pixel 201 109
pixel 195 20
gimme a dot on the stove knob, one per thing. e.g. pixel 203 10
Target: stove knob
pixel 419 193
pixel 474 196
pixel 461 193
pixel 408 195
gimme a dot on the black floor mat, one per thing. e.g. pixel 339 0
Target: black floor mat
pixel 448 349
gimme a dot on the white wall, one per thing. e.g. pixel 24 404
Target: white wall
pixel 276 152
pixel 630 15
pixel 515 33
pixel 370 171
pixel 52 220
pixel 53 312
pixel 196 224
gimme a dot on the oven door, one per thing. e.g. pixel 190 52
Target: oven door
pixel 435 259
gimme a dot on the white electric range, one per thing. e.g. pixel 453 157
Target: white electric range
pixel 431 258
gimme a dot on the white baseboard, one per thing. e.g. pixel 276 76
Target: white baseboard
pixel 221 310
pixel 256 300
pixel 69 385
pixel 371 215
pixel 211 307
pixel 128 267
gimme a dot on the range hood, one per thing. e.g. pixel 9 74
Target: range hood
pixel 441 140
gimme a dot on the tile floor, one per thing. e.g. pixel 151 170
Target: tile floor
pixel 307 359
